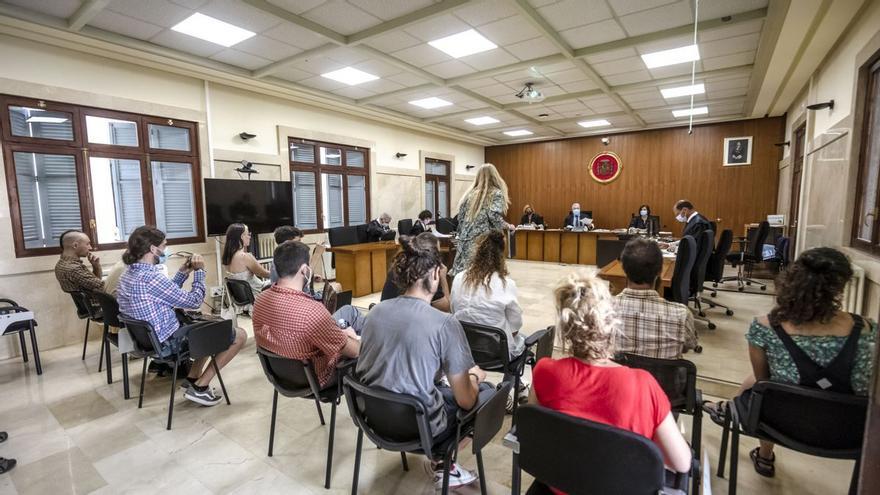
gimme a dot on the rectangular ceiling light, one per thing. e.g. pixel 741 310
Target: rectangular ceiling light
pixel 671 57
pixel 686 112
pixel 463 44
pixel 213 30
pixel 696 89
pixel 46 120
pixel 432 102
pixel 594 123
pixel 519 132
pixel 350 76
pixel 482 120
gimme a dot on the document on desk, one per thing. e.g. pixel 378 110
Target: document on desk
pixel 440 235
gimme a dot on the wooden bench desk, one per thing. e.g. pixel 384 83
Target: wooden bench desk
pixel 361 268
pixel 614 274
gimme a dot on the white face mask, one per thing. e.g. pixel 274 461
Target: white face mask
pixel 681 218
pixel 643 213
pixel 576 212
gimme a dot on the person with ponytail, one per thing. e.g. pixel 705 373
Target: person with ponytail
pixel 589 385
pixel 146 294
pixel 407 344
pixel 807 339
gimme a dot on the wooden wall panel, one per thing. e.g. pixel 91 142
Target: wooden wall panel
pixel 659 167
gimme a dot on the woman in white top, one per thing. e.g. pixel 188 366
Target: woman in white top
pixel 238 262
pixel 484 293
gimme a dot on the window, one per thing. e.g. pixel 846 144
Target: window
pixel 866 218
pixel 331 184
pixel 102 172
pixel 437 186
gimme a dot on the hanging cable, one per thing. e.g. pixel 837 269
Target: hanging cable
pixel 694 66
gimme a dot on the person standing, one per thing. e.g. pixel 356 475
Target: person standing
pixel 481 210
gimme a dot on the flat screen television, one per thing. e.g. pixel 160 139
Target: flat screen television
pixel 261 205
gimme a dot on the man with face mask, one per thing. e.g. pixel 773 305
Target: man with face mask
pixel 695 224
pixel 576 217
pixel 70 271
pixel 530 217
pixel 145 293
pixel 380 230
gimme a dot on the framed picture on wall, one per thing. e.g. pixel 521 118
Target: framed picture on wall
pixel 737 151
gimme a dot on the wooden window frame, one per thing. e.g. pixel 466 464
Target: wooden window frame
pixel 436 178
pixel 83 151
pixel 343 169
pixel 871 72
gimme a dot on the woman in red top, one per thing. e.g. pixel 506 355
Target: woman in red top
pixel 592 386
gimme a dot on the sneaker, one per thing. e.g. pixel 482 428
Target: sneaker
pixel 457 476
pixel 205 397
pixel 522 397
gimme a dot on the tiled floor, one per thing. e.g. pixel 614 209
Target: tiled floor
pixel 73 433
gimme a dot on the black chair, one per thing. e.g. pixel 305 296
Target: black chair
pixel 698 274
pixel 404 226
pixel 783 253
pixel 490 352
pixel 10 307
pixel 87 310
pixel 110 310
pixel 678 378
pixel 240 292
pixel 446 225
pixel 685 258
pixel 751 253
pixel 608 250
pixel 715 267
pixel 342 236
pixel 400 423
pixel 296 379
pixel 205 338
pixel 583 457
pixel 808 420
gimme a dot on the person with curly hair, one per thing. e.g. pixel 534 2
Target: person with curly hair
pixel 589 385
pixel 807 339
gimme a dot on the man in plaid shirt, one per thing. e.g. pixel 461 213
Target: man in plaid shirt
pixel 145 293
pixel 70 271
pixel 652 326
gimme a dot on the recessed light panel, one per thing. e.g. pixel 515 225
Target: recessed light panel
pixel 696 89
pixel 350 76
pixel 594 123
pixel 432 102
pixel 519 132
pixel 686 112
pixel 671 57
pixel 482 120
pixel 463 44
pixel 213 30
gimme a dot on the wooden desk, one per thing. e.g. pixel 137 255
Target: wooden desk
pixel 361 268
pixel 558 246
pixel 614 274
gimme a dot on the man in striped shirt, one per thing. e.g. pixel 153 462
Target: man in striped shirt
pixel 652 326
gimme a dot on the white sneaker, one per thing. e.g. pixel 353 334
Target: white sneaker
pixel 457 476
pixel 205 398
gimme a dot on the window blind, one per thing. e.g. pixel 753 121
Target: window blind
pixel 442 207
pixel 48 197
pixel 123 133
pixel 332 195
pixel 128 195
pixel 429 195
pixel 354 158
pixel 305 203
pixel 357 199
pixel 173 199
pixel 304 153
pixel 166 137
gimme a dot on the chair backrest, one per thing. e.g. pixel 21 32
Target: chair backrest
pixel 391 420
pixel 290 377
pixel 608 250
pixel 404 226
pixel 342 236
pixel 715 267
pixel 488 345
pixel 210 338
pixel 808 420
pixel 579 456
pixel 83 304
pixel 783 244
pixel 756 243
pixel 240 292
pixel 109 307
pixel 685 258
pixel 677 377
pixel 361 233
pixel 142 333
pixel 490 417
pixel 704 251
pixel 445 225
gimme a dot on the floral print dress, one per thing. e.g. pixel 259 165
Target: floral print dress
pixel 469 229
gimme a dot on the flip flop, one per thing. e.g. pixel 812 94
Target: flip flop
pixel 6 465
pixel 717 411
pixel 3 436
pixel 764 467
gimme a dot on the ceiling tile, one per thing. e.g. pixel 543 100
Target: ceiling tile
pixel 628 77
pixel 624 7
pixel 619 66
pixel 342 17
pixel 407 79
pixel 738 29
pixel 656 102
pixel 262 46
pixel 714 9
pixel 674 70
pixel 127 26
pixel 510 30
pixel 477 83
pixel 318 65
pixel 658 19
pixel 479 13
pixel 727 93
pixel 240 59
pixel 575 105
pixel 381 86
pixel 727 46
pixel 323 83
pixel 354 92
pixel 451 68
pixel 739 82
pixel 593 34
pixel 733 60
pixel 240 14
pixel 637 94
pixel 506 98
pixel 393 41
pixel 541 3
pixel 296 36
pixel 377 68
pixel 437 27
pixel 568 14
pixel 496 89
pixel 666 43
pixel 159 12
pixel 292 74
pixel 490 59
pixel 566 76
pixel 533 48
pixel 297 6
pixel 390 9
pixel 578 86
pixel 609 55
pixel 422 55
pixel 190 4
pixel 56 8
pixel 184 43
pixel 347 55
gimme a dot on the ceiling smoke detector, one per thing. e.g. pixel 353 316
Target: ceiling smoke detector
pixel 530 94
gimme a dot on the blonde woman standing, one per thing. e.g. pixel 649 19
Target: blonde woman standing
pixel 481 210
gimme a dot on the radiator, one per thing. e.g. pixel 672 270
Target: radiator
pixel 267 246
pixel 854 293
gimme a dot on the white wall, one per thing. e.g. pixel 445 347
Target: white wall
pixel 34 70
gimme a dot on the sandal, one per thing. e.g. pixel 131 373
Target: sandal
pixel 6 465
pixel 717 411
pixel 763 466
pixel 3 436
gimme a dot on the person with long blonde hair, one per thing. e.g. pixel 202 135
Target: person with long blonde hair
pixel 481 210
pixel 589 385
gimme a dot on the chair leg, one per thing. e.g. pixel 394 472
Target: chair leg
pixel 220 379
pixel 696 443
pixel 125 388
pixel 357 462
pixel 403 461
pixel 108 362
pixel 24 352
pixel 320 412
pixel 854 481
pixel 516 476
pixel 516 379
pixel 143 377
pixel 173 387
pixel 36 349
pixel 722 452
pixel 481 472
pixel 103 345
pixel 734 458
pixel 447 465
pixel 85 340
pixel 272 423
pixel 328 470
